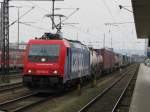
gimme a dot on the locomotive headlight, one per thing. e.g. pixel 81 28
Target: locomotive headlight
pixel 43 59
pixel 55 72
pixel 29 71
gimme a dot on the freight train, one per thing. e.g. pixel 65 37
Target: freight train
pixel 53 62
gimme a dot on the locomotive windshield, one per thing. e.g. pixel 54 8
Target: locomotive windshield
pixel 44 53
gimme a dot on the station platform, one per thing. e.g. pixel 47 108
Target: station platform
pixel 141 95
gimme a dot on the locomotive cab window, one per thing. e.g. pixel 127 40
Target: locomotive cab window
pixel 44 53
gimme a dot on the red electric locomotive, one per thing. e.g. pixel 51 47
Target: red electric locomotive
pixel 51 62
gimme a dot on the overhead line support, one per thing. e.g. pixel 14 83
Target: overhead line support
pixel 5 38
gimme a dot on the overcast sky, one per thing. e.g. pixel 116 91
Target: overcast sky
pixel 91 16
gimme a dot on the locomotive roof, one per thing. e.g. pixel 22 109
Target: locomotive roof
pixel 41 41
pixel 66 42
pixel 49 38
pixel 77 44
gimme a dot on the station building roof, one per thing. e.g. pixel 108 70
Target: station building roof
pixel 141 10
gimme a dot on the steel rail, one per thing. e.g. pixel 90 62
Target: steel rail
pixel 26 106
pixel 31 105
pixel 103 92
pixel 125 89
pixel 10 86
pixel 14 71
pixel 15 76
pixel 17 99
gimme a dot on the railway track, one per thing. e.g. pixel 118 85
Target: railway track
pixel 21 103
pixel 123 103
pixel 27 101
pixel 9 87
pixel 10 78
pixel 14 75
pixel 15 71
pixel 107 100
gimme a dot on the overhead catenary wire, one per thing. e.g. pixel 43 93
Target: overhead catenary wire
pixel 66 17
pixel 49 12
pixel 118 5
pixel 72 13
pixel 108 9
pixel 21 16
pixel 111 15
pixel 36 27
pixel 116 2
pixel 45 11
pixel 81 30
pixel 39 7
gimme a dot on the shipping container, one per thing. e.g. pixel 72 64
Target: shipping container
pixel 108 59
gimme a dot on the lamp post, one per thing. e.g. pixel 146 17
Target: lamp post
pixel 18 39
pixel 122 7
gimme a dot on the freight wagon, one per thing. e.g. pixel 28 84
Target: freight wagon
pixel 125 61
pixel 108 59
pixel 96 63
pixel 118 61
